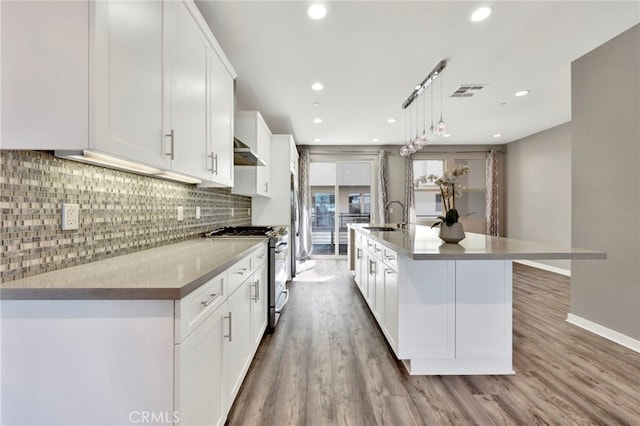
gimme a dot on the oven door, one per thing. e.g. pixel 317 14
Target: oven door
pixel 280 269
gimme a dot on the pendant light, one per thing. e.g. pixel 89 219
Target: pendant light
pixel 404 151
pixel 432 136
pixel 423 135
pixel 441 127
pixel 417 142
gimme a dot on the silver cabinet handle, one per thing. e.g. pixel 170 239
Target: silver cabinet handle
pixel 241 271
pixel 230 322
pixel 214 163
pixel 171 135
pixel 389 257
pixel 213 297
pixel 376 249
pixel 389 271
pixel 256 291
pixel 372 265
pixel 358 253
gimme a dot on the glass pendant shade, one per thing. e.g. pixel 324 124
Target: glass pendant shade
pixel 441 127
pixel 404 151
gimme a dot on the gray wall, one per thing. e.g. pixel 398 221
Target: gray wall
pixel 538 188
pixel 120 212
pixel 606 183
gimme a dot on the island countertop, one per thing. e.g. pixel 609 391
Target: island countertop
pixel 166 272
pixel 422 243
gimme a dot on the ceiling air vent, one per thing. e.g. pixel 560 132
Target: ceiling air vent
pixel 467 90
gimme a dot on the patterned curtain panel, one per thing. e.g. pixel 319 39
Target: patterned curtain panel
pixel 382 214
pixel 492 193
pixel 305 245
pixel 409 200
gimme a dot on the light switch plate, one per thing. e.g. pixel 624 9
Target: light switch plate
pixel 197 212
pixel 70 216
pixel 180 213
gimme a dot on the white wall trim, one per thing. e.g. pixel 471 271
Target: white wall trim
pixel 605 332
pixel 554 269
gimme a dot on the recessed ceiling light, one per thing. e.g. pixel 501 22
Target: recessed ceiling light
pixel 316 103
pixel 317 86
pixel 317 120
pixel 316 140
pixel 317 11
pixel 391 120
pixel 497 135
pixel 481 13
pixel 375 140
pixel 447 135
pixel 522 93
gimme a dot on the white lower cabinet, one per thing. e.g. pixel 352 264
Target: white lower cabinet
pixel 134 361
pixel 239 341
pixel 200 393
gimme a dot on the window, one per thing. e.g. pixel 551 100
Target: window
pixel 427 194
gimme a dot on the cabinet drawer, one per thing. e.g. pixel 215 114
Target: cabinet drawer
pixel 390 257
pixel 239 272
pixel 259 257
pixel 194 308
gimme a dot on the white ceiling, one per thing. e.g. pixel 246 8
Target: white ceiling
pixel 370 55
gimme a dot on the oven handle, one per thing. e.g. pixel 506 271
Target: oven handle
pixel 285 302
pixel 281 247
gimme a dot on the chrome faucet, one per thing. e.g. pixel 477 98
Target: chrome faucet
pixel 403 224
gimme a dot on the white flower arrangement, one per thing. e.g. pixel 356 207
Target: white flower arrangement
pixel 450 190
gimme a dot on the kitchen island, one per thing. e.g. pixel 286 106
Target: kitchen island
pixel 444 308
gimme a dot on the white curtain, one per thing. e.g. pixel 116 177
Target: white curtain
pixel 410 201
pixel 492 193
pixel 305 246
pixel 382 214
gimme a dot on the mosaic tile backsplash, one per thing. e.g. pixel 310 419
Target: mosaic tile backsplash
pixel 120 212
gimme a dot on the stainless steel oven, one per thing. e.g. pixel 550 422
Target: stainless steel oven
pixel 277 265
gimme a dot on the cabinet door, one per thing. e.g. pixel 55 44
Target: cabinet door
pixel 259 305
pixel 186 104
pixel 358 263
pixel 391 306
pixel 45 75
pixel 220 153
pixel 239 341
pixel 128 102
pixel 371 281
pixel 200 373
pixel 380 294
pixel 264 151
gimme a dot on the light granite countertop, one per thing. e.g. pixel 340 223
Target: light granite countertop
pixel 167 272
pixel 422 243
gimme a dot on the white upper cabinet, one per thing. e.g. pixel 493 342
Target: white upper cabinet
pixel 186 92
pixel 45 91
pixel 145 81
pixel 128 68
pixel 221 107
pixel 251 129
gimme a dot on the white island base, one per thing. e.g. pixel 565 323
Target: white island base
pixel 455 316
pixel 440 317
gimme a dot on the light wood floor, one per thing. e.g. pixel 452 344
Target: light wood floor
pixel 328 364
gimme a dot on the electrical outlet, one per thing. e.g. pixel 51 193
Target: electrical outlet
pixel 70 216
pixel 390 210
pixel 180 213
pixel 197 212
pixel 232 212
pixel 249 211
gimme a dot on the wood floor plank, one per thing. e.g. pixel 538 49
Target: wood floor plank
pixel 328 364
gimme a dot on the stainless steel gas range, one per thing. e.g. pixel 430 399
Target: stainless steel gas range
pixel 277 265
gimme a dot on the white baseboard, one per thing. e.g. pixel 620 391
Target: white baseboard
pixel 605 332
pixel 554 269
